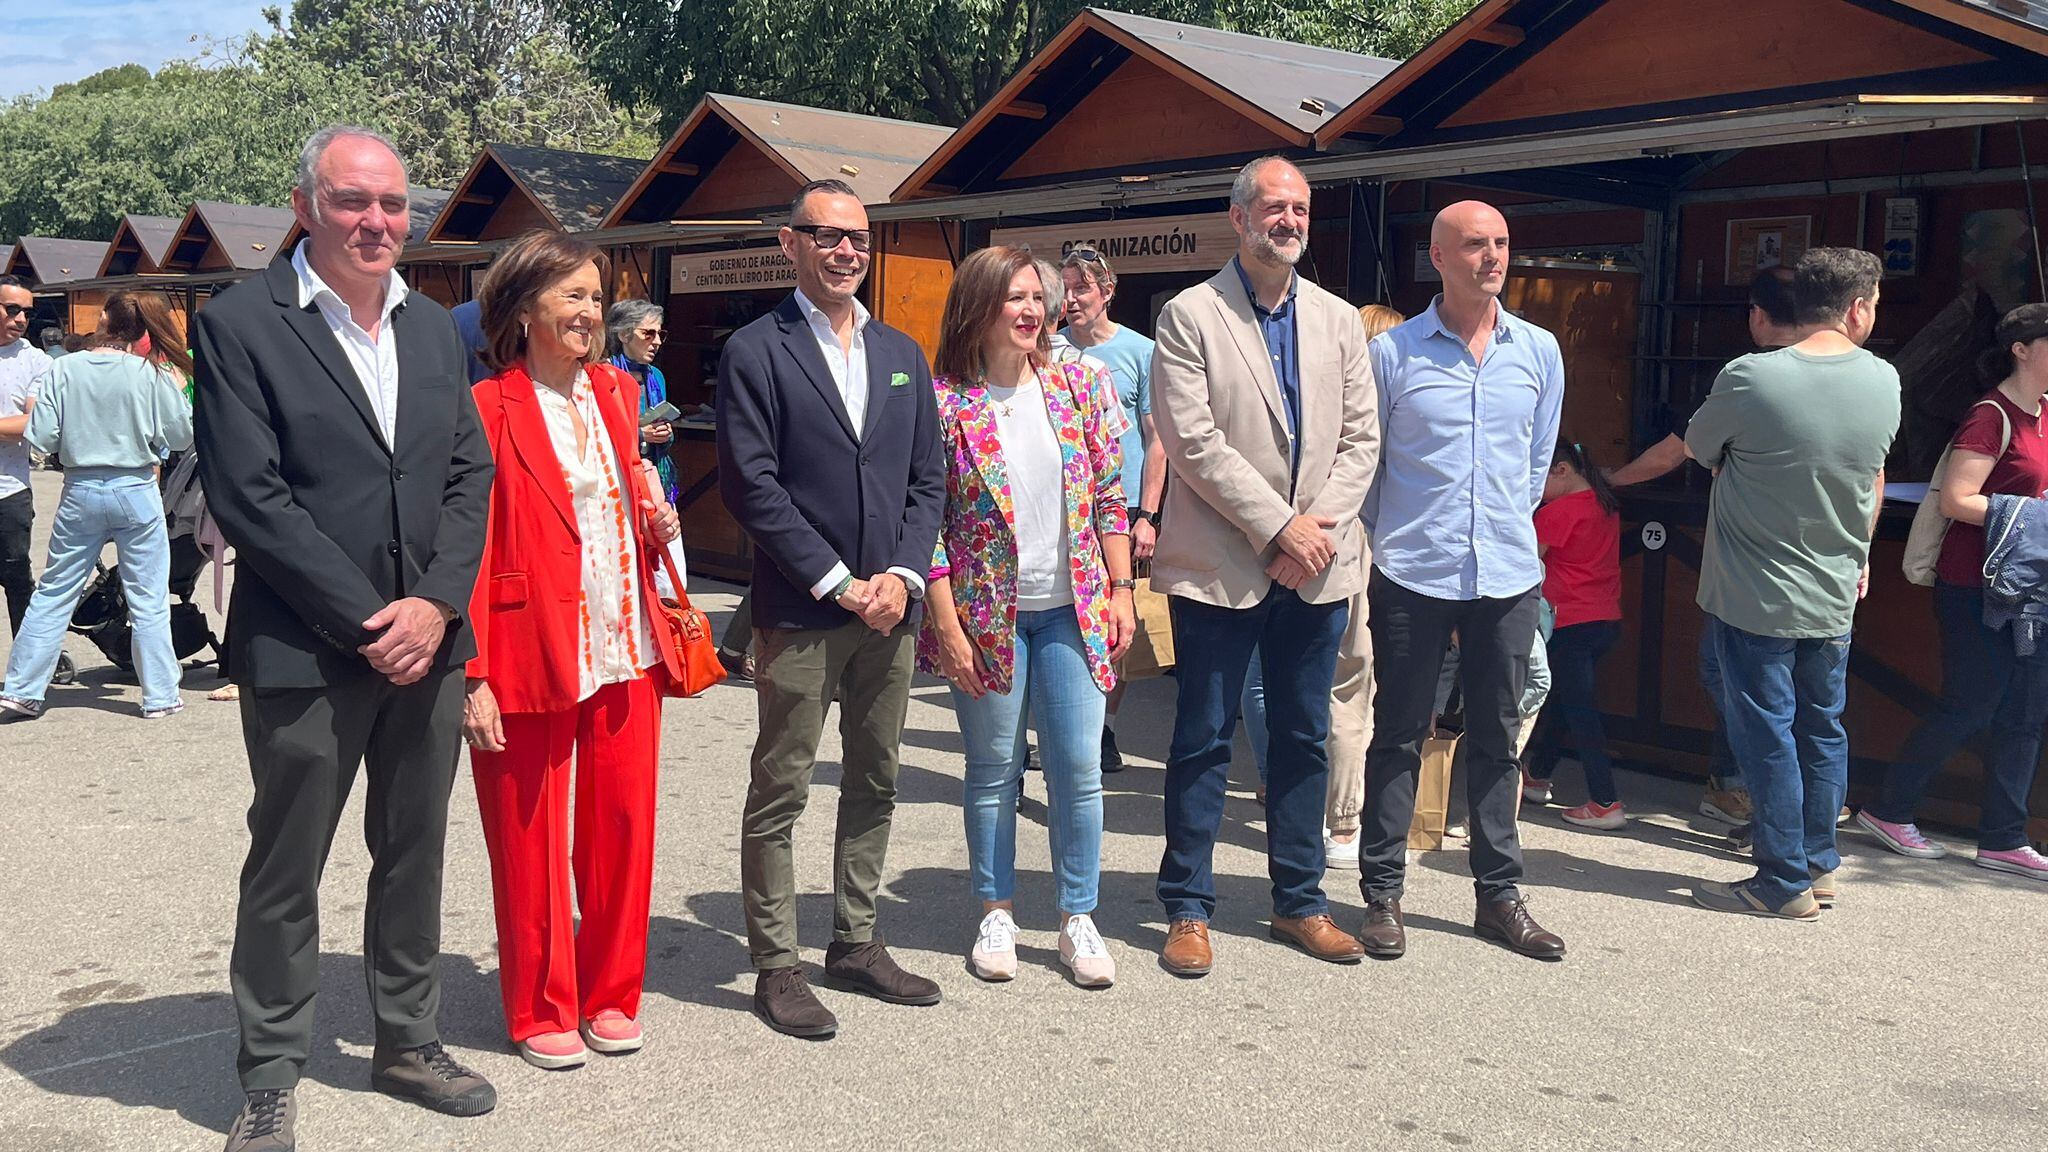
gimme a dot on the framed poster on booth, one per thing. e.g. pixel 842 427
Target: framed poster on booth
pixel 1764 242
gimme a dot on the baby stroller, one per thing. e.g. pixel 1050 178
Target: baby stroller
pixel 102 612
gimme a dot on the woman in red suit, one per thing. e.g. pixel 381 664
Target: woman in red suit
pixel 567 635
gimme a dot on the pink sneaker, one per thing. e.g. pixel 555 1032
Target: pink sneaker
pixel 1605 817
pixel 2023 861
pixel 1905 839
pixel 554 1051
pixel 613 1032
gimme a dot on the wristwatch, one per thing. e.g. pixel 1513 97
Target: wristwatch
pixel 1121 585
pixel 1146 515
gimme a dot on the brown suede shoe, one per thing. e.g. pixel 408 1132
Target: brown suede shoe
pixel 868 969
pixel 1318 936
pixel 784 1001
pixel 1385 935
pixel 1187 948
pixel 1508 923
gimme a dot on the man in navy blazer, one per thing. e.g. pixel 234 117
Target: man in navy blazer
pixel 828 456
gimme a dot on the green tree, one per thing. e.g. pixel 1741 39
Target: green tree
pixel 106 80
pixel 931 60
pixel 454 75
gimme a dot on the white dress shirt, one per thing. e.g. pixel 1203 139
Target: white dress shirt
pixel 849 368
pixel 1037 472
pixel 375 358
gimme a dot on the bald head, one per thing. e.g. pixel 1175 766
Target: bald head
pixel 1468 244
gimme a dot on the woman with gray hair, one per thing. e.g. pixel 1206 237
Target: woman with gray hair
pixel 635 330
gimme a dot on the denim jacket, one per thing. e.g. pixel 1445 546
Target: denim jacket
pixel 2016 569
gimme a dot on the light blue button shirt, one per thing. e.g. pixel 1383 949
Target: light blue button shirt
pixel 1464 448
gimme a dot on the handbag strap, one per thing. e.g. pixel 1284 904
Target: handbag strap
pixel 642 496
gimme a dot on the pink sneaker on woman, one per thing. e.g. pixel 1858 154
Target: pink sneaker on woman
pixel 1605 817
pixel 554 1051
pixel 1905 839
pixel 613 1032
pixel 2022 861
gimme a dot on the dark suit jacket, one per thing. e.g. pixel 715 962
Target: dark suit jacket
pixel 807 490
pixel 330 524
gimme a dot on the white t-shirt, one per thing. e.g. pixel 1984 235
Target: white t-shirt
pixel 1031 455
pixel 22 370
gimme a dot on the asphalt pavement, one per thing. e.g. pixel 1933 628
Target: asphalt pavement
pixel 1910 1016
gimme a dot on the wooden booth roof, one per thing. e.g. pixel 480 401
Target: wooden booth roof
pixel 513 188
pixel 46 261
pixel 6 257
pixel 703 170
pixel 426 205
pixel 1518 66
pixel 217 237
pixel 1115 92
pixel 139 245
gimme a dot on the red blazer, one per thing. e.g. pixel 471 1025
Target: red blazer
pixel 524 607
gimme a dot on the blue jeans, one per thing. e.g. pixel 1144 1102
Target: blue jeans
pixel 1782 701
pixel 1298 642
pixel 1574 654
pixel 1984 684
pixel 100 506
pixel 1053 680
pixel 1252 710
pixel 1721 770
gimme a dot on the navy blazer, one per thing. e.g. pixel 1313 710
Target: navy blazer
pixel 808 491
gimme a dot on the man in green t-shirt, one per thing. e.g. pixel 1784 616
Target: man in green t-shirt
pixel 1797 439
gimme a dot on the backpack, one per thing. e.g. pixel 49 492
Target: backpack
pixel 1930 527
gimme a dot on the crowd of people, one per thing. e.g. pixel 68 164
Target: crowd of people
pixel 458 532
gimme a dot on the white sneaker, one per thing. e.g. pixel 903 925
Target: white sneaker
pixel 1338 855
pixel 1458 831
pixel 994 957
pixel 1085 955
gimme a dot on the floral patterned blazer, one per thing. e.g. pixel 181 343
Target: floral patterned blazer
pixel 977 546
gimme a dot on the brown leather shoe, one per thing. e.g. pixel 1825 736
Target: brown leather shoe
pixel 1508 923
pixel 1187 948
pixel 1318 936
pixel 784 1001
pixel 1385 935
pixel 868 968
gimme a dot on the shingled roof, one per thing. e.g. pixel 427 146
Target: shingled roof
pixel 52 260
pixel 571 191
pixel 217 237
pixel 140 244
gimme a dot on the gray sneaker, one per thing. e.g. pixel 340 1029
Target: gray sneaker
pixel 13 708
pixel 430 1077
pixel 1742 899
pixel 266 1123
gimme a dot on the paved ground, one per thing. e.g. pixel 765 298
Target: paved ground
pixel 1903 1019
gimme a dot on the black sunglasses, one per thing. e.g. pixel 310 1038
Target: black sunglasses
pixel 14 310
pixel 828 238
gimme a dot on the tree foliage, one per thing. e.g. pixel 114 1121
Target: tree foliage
pixel 931 60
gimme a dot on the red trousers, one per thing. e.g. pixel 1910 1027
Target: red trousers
pixel 552 975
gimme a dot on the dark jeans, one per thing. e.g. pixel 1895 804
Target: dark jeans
pixel 1782 701
pixel 1298 642
pixel 17 578
pixel 1574 709
pixel 1721 770
pixel 1984 683
pixel 1409 634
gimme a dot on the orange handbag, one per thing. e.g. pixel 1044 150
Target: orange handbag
pixel 689 653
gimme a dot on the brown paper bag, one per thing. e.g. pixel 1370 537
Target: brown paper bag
pixel 1151 653
pixel 1433 792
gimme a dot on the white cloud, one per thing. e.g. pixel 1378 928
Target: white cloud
pixel 70 39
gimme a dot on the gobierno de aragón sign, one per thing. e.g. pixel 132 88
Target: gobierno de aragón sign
pixel 1138 244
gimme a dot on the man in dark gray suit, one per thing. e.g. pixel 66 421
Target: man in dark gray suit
pixel 342 456
pixel 828 454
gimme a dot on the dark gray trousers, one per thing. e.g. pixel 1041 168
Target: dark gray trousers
pixel 305 745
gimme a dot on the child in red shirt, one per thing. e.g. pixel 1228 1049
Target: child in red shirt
pixel 1578 535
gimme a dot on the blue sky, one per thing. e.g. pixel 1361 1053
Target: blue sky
pixel 48 42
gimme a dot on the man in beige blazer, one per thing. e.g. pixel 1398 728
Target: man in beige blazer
pixel 1263 398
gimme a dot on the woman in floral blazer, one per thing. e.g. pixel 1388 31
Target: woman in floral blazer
pixel 1030 594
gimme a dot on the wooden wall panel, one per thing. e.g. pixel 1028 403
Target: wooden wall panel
pixel 1141 114
pixel 1635 52
pixel 515 214
pixel 746 179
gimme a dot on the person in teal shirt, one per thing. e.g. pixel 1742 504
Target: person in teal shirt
pixel 1090 285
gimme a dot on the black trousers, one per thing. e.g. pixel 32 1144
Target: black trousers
pixel 1409 634
pixel 305 745
pixel 17 577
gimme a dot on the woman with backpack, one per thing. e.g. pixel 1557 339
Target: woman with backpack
pixel 2000 449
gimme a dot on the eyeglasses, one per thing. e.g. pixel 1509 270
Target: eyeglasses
pixel 1085 253
pixel 14 310
pixel 650 333
pixel 828 238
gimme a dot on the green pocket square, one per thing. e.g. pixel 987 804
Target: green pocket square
pixel 899 379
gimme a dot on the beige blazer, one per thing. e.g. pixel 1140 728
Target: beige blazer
pixel 1217 407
